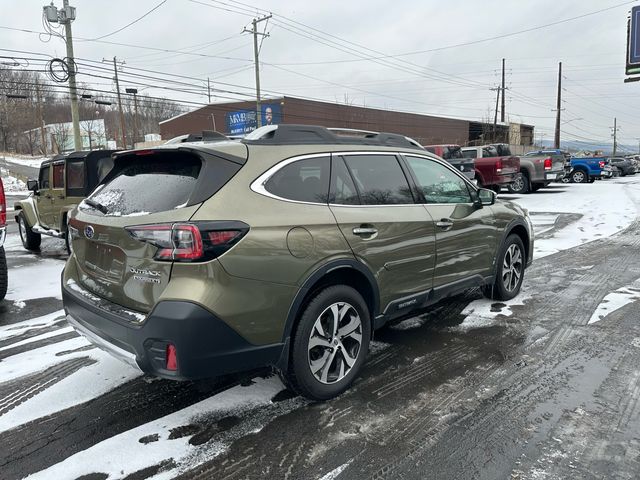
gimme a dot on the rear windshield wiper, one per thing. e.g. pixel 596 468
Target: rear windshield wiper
pixel 96 205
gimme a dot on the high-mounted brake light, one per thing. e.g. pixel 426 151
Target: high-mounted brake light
pixel 143 152
pixel 548 164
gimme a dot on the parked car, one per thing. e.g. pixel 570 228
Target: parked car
pixel 587 169
pixel 62 183
pixel 625 165
pixel 4 277
pixel 537 170
pixel 453 155
pixel 287 249
pixel 492 170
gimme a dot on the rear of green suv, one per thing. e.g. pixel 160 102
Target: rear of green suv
pixel 287 249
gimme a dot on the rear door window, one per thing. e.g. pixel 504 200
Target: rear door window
pixel 469 153
pixel 343 190
pixel 58 175
pixel 75 178
pixel 44 177
pixel 438 183
pixel 302 181
pixel 379 179
pixel 148 184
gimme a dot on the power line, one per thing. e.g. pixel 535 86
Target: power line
pixel 128 24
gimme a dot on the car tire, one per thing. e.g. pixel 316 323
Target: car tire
pixel 333 332
pixel 506 284
pixel 4 277
pixel 579 176
pixel 30 240
pixel 67 239
pixel 592 179
pixel 520 184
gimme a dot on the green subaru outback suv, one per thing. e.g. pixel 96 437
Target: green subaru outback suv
pixel 288 248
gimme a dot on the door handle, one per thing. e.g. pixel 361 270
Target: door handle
pixel 444 223
pixel 365 231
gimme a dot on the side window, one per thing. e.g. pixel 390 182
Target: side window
pixel 469 153
pixel 379 179
pixel 75 175
pixel 104 167
pixel 303 181
pixel 343 191
pixel 438 183
pixel 44 177
pixel 58 175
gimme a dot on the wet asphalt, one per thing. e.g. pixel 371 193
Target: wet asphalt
pixel 536 394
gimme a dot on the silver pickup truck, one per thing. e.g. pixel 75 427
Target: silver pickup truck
pixel 537 170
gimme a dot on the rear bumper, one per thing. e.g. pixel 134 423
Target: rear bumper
pixel 504 179
pixel 206 346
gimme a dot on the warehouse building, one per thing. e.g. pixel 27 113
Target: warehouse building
pixel 239 118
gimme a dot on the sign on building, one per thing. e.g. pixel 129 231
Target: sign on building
pixel 633 44
pixel 245 121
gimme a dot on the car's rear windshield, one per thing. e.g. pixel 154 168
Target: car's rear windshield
pixel 452 152
pixel 146 184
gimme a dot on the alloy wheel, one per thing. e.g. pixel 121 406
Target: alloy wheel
pixel 578 177
pixel 512 267
pixel 335 342
pixel 518 184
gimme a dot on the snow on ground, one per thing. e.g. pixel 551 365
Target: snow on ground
pixel 12 184
pixel 16 329
pixel 85 384
pixel 616 300
pixel 39 280
pixel 124 454
pixel 24 160
pixel 606 206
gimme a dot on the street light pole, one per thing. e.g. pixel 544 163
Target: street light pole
pixel 71 65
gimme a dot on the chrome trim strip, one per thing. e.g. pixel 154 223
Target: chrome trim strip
pixel 121 354
pixel 258 184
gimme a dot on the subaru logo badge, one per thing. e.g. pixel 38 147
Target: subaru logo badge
pixel 461 168
pixel 89 232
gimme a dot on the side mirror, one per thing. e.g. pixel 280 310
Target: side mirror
pixel 32 185
pixel 485 197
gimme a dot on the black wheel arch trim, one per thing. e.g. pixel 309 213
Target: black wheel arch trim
pixel 316 277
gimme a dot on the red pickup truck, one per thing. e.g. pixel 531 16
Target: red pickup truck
pixel 492 170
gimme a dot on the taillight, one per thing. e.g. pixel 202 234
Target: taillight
pixel 602 163
pixel 499 166
pixel 188 242
pixel 548 164
pixel 3 206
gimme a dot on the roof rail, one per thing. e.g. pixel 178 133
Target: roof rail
pixel 288 134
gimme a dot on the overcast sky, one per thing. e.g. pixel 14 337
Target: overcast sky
pixel 453 81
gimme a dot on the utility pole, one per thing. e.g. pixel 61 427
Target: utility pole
pixel 122 125
pixel 556 141
pixel 43 137
pixel 615 136
pixel 209 89
pixel 134 91
pixel 256 53
pixel 65 16
pixel 495 117
pixel 503 89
